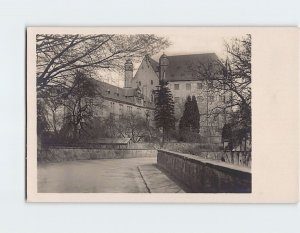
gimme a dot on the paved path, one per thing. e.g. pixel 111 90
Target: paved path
pixel 103 176
pixel 156 181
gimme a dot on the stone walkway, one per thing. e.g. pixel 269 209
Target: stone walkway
pixel 135 175
pixel 156 181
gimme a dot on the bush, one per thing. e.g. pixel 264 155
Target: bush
pixel 188 136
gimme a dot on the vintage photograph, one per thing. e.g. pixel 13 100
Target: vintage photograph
pixel 143 113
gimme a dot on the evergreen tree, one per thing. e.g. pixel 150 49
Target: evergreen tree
pixel 190 120
pixel 164 109
pixel 185 121
pixel 195 115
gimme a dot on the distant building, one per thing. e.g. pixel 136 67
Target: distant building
pixel 118 101
pixel 137 95
pixel 182 83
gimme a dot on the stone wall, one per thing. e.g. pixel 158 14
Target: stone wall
pixel 58 154
pixel 177 146
pixel 203 175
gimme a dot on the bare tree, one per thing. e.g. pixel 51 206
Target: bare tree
pixel 79 103
pixel 58 55
pixel 129 125
pixel 231 78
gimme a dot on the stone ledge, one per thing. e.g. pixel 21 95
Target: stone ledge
pixel 205 176
pixel 156 181
pixel 208 162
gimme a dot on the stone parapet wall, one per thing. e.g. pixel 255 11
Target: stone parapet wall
pixel 59 154
pixel 203 175
pixel 177 146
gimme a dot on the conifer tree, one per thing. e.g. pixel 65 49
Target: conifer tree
pixel 195 115
pixel 185 121
pixel 164 109
pixel 190 120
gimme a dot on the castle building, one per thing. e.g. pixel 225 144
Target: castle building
pixel 183 82
pixel 137 95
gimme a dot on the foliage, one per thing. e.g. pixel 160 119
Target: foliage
pixel 65 66
pixel 190 120
pixel 232 77
pixel 42 123
pixel 237 130
pixel 164 109
pixel 189 136
pixel 79 102
pixel 130 125
pixel 195 121
pixel 185 121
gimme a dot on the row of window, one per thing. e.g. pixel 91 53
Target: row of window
pixel 201 99
pixel 121 107
pixel 140 83
pixel 188 86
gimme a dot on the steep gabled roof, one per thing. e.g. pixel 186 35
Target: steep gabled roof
pixel 113 92
pixel 180 67
pixel 125 95
pixel 154 64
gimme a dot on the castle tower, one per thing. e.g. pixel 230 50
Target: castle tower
pixel 163 65
pixel 128 73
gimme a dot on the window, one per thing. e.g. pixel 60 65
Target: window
pixel 188 86
pixel 152 97
pixel 176 86
pixel 176 99
pixel 121 108
pixel 222 98
pixel 140 83
pixel 130 108
pixel 151 82
pixel 211 99
pixel 199 85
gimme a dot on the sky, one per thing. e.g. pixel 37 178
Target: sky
pixel 190 42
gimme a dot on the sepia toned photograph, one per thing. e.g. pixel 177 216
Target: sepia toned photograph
pixel 165 117
pixel 160 115
pixel 143 113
